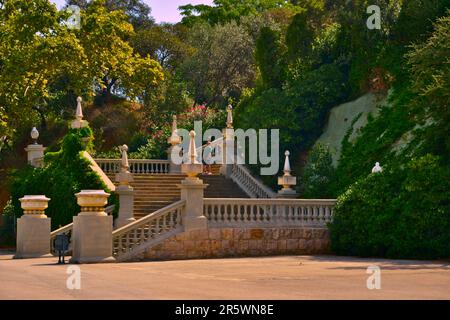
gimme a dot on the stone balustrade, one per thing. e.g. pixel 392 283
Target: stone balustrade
pixel 139 166
pixel 252 186
pixel 137 236
pixel 268 212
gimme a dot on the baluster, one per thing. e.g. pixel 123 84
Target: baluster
pixel 178 217
pixel 164 221
pixel 127 241
pixel 156 228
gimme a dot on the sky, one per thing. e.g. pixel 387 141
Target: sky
pixel 162 10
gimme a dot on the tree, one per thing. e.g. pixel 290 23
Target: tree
pixel 319 173
pixel 430 66
pixel 164 43
pixel 40 58
pixel 224 11
pixel 299 37
pixel 137 11
pixel 110 60
pixel 35 49
pixel 223 64
pixel 268 55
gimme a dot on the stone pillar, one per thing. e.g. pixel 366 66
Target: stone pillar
pixel 35 151
pixel 174 140
pixel 192 190
pixel 33 228
pixel 125 191
pixel 228 156
pixel 92 229
pixel 287 181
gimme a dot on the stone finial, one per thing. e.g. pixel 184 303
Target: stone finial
pixel 79 123
pixel 230 117
pixel 287 181
pixel 174 138
pixel 377 168
pixel 124 164
pixel 79 112
pixel 287 165
pixel 192 168
pixel 35 151
pixel 192 154
pixel 34 134
pixel 124 177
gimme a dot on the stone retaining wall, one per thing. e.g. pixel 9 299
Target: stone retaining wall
pixel 230 242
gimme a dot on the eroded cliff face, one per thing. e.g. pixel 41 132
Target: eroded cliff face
pixel 342 117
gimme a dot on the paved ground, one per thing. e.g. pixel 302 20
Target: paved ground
pixel 289 277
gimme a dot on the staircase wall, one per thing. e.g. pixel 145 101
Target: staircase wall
pixel 233 242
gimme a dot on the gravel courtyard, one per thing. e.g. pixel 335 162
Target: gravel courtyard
pixel 287 277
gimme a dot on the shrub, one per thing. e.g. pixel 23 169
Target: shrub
pixel 319 173
pixel 400 213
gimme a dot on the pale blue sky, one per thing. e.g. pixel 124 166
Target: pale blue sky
pixel 162 10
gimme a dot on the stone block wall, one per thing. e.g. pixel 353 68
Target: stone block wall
pixel 231 242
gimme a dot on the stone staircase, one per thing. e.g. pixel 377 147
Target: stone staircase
pixel 156 191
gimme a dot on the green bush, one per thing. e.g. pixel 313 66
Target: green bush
pixel 65 173
pixel 403 212
pixel 318 174
pixel 7 227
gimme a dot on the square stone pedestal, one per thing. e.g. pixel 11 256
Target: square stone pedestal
pixel 192 190
pixel 92 239
pixel 33 237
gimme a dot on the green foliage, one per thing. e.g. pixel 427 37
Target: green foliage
pixel 268 55
pixel 318 174
pixel 42 60
pixel 65 173
pixel 7 227
pixel 299 37
pixel 222 65
pixel 403 212
pixel 225 11
pixel 138 11
pixel 300 110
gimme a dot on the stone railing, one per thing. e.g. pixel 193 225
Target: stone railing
pixel 268 212
pixel 252 186
pixel 67 230
pixel 137 236
pixel 145 166
pixel 98 170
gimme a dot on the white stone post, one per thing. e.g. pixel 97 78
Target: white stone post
pixel 287 181
pixel 125 191
pixel 35 151
pixel 228 144
pixel 92 229
pixel 192 190
pixel 174 140
pixel 33 228
pixel 79 123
